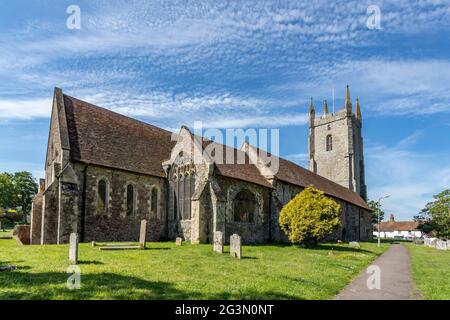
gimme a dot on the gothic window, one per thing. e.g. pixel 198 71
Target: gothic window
pixel 329 142
pixel 102 196
pixel 182 186
pixel 244 205
pixel 130 200
pixel 154 203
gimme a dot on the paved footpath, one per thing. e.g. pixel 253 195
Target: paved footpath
pixel 395 284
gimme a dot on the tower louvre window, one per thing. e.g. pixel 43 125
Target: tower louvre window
pixel 329 142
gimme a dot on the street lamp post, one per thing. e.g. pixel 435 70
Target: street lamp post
pixel 379 211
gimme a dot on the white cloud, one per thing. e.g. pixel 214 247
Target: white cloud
pixel 25 109
pixel 410 177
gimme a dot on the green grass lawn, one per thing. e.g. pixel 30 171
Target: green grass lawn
pixel 165 271
pixel 431 271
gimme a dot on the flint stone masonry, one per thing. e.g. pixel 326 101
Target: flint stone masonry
pixel 73 248
pixel 235 246
pixel 218 242
pixel 22 233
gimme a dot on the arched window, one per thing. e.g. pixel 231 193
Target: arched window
pixel 102 196
pixel 182 186
pixel 154 203
pixel 130 200
pixel 329 142
pixel 244 205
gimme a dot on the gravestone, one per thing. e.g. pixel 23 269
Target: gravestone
pixel 73 248
pixel 93 243
pixel 235 246
pixel 218 242
pixel 354 244
pixel 179 241
pixel 441 245
pixel 143 234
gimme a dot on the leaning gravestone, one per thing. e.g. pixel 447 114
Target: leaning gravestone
pixel 218 242
pixel 441 245
pixel 354 244
pixel 73 248
pixel 143 234
pixel 179 241
pixel 235 246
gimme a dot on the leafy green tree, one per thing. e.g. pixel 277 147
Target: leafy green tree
pixel 7 191
pixel 25 188
pixel 374 214
pixel 435 217
pixel 310 216
pixel 17 191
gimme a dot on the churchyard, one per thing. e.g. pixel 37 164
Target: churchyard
pixel 430 271
pixel 170 271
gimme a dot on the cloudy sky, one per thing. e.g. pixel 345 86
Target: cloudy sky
pixel 240 64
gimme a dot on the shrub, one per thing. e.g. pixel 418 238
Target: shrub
pixel 310 216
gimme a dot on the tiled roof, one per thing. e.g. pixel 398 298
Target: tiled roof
pixel 102 137
pixel 389 226
pixel 294 174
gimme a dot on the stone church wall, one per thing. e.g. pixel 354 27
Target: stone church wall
pixel 49 231
pixel 251 232
pixel 115 225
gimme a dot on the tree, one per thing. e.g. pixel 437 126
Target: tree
pixel 25 189
pixel 17 191
pixel 435 217
pixel 309 216
pixel 6 190
pixel 375 205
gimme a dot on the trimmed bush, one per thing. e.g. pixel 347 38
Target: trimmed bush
pixel 310 216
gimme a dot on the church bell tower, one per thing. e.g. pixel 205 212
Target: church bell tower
pixel 336 145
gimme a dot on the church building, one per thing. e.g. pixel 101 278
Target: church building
pixel 105 172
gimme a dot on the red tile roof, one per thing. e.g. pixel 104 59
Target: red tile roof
pixel 389 226
pixel 102 137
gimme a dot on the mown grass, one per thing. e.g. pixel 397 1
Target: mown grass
pixel 431 271
pixel 165 271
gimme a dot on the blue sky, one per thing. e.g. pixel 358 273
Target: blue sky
pixel 240 64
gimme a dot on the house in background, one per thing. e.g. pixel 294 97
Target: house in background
pixel 392 229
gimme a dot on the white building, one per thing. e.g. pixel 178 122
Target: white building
pixel 398 229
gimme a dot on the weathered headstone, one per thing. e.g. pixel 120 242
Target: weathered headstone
pixel 143 234
pixel 441 245
pixel 354 244
pixel 218 242
pixel 235 246
pixel 179 241
pixel 73 248
pixel 93 243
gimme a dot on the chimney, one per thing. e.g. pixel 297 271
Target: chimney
pixel 391 218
